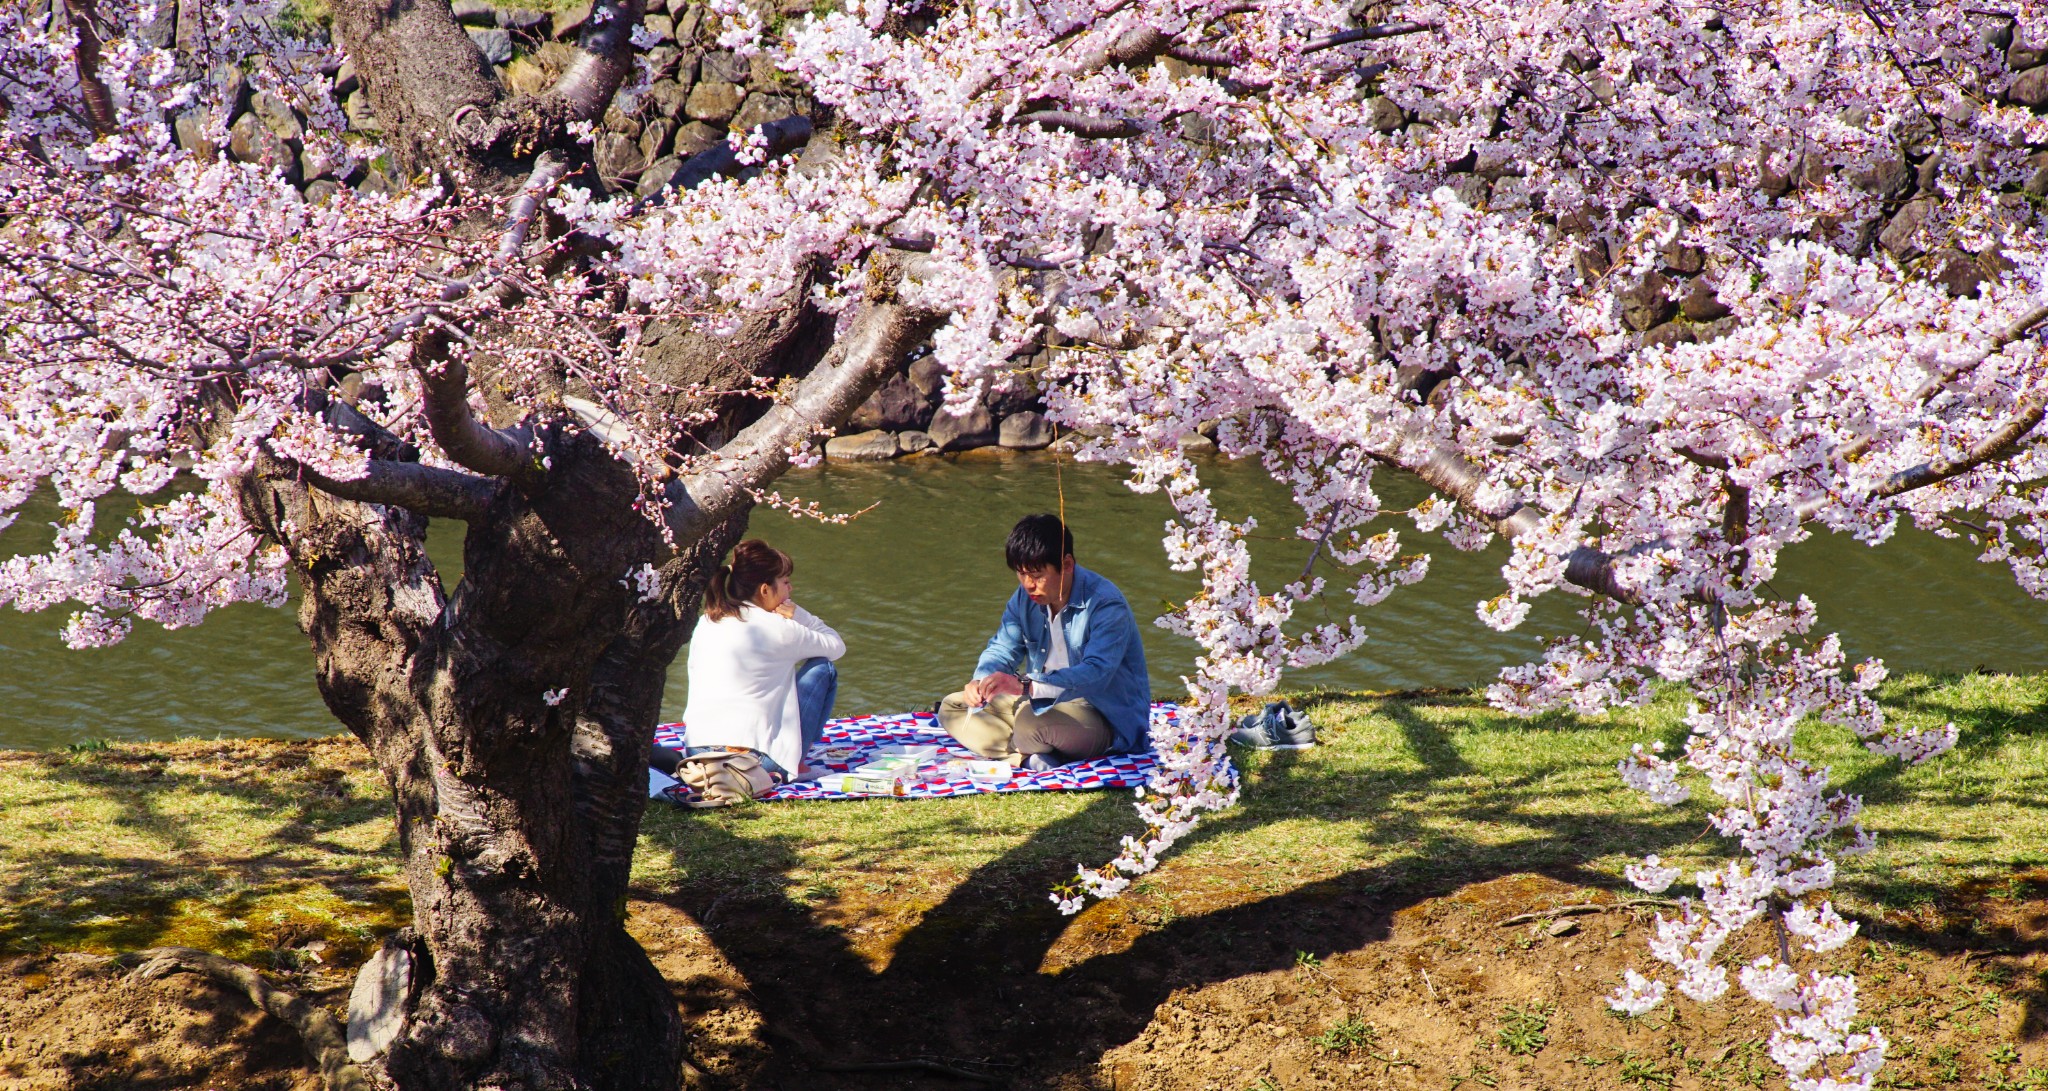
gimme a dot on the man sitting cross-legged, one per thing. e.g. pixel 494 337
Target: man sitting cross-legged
pixel 1083 691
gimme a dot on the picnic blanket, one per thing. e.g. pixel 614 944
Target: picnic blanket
pixel 853 740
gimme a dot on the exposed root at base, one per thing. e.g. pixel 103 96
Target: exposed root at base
pixel 325 1039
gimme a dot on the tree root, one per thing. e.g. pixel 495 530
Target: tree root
pixel 916 1064
pixel 322 1033
pixel 1581 910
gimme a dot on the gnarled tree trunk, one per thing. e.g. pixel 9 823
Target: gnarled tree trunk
pixel 517 817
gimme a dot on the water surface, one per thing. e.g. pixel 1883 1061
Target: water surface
pixel 917 583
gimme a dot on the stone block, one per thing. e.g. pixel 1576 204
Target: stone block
pixel 714 100
pixel 661 26
pixel 654 139
pixel 2029 88
pixel 322 191
pixel 1679 258
pixel 760 109
pixel 665 97
pixel 1699 303
pixel 2022 55
pixel 570 20
pixel 696 137
pixel 1960 273
pixel 250 142
pixel 1022 395
pixel 495 42
pixel 345 80
pixel 927 375
pixel 913 442
pixel 895 406
pixel 1889 177
pixel 725 66
pixel 657 175
pixel 191 131
pixel 1898 236
pixel 1670 333
pixel 277 116
pixel 1026 431
pixel 1383 115
pixel 618 157
pixel 377 1003
pixel 1646 304
pixel 525 20
pixel 973 428
pixel 315 164
pixel 1195 443
pixel 475 12
pixel 619 119
pixel 870 446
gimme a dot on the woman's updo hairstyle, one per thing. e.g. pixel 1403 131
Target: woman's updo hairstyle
pixel 754 565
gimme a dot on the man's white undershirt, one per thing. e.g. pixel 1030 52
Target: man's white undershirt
pixel 1055 658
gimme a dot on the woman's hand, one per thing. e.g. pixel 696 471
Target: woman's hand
pixel 787 608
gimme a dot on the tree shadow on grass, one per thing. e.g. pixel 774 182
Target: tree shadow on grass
pixel 992 973
pixel 251 895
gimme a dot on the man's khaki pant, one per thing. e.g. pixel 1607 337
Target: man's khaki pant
pixel 1006 729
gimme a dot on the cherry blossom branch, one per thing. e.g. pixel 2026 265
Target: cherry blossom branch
pixel 879 337
pixel 1998 445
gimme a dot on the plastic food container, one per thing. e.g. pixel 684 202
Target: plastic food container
pixel 907 750
pixel 905 766
pixel 868 784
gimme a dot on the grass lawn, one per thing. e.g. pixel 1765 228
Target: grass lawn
pixel 255 849
pixel 1430 790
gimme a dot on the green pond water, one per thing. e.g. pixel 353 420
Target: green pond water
pixel 916 584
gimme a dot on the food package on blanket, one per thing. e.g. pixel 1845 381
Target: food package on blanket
pixel 984 774
pixel 920 751
pixel 902 765
pixel 866 784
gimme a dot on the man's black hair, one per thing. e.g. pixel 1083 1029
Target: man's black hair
pixel 1038 541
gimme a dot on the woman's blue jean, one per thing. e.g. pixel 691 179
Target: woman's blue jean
pixel 817 686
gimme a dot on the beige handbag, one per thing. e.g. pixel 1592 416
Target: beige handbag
pixel 723 778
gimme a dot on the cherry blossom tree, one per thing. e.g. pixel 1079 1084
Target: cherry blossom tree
pixel 1654 289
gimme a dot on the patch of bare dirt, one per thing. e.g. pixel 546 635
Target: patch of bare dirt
pixel 71 1023
pixel 1335 985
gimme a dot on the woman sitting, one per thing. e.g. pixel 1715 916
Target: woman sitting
pixel 760 671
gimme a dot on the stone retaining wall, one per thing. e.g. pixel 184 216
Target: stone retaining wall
pixel 674 132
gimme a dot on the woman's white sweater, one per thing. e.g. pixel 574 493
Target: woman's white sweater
pixel 743 680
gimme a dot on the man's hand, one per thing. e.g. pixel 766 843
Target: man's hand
pixel 991 686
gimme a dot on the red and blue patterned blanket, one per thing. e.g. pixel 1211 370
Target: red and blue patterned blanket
pixel 854 740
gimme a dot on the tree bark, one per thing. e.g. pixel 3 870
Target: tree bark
pixel 517 818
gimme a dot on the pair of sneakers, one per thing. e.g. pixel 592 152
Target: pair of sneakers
pixel 1278 727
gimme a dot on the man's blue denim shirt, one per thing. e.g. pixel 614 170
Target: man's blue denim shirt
pixel 1106 659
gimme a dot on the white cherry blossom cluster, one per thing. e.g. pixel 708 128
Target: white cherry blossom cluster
pixel 1425 247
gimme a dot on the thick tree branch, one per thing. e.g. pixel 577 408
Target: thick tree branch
pixel 1081 125
pixel 444 401
pixel 782 137
pixel 1366 34
pixel 1998 445
pixel 1449 473
pixel 604 58
pixel 881 335
pixel 99 103
pixel 429 490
